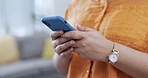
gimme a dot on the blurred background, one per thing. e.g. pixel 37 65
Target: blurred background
pixel 25 44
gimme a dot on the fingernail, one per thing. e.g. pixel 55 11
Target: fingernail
pixel 61 32
pixel 72 42
pixel 78 25
pixel 71 49
pixel 61 54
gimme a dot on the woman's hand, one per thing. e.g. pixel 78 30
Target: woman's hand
pixel 61 45
pixel 90 44
pixel 63 51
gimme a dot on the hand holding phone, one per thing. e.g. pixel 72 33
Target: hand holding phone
pixel 56 23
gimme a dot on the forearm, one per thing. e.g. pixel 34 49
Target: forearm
pixel 61 63
pixel 132 62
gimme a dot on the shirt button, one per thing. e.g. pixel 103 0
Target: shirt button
pixel 87 71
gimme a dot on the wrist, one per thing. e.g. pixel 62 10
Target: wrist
pixel 111 55
pixel 108 50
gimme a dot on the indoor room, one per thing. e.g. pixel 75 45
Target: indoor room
pixel 25 43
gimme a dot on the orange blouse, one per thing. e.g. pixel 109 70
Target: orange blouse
pixel 122 21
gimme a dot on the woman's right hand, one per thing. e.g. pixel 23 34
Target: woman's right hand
pixel 61 45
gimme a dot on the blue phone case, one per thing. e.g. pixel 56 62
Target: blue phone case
pixel 56 23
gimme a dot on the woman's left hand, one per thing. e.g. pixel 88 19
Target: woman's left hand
pixel 90 44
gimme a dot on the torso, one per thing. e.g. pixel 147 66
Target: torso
pixel 123 21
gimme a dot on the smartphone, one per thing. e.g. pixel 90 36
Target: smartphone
pixel 56 23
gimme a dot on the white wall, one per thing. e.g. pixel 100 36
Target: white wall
pixel 51 7
pixel 19 16
pixel 48 8
pixel 2 18
pixel 60 6
pixel 16 16
pixel 44 7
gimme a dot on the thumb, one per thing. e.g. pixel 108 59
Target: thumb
pixel 82 28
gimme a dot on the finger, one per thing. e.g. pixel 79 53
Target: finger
pixel 59 41
pixel 82 28
pixel 56 34
pixel 74 35
pixel 67 52
pixel 60 48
